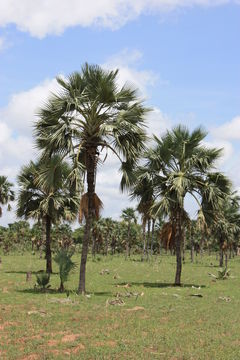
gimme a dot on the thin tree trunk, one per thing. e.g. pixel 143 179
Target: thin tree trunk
pixel 183 246
pixel 153 226
pixel 144 238
pixel 43 237
pixel 148 236
pixel 226 259
pixel 192 246
pixel 221 254
pixel 127 242
pixel 91 163
pixel 178 240
pixel 61 289
pixel 221 258
pixel 93 246
pixel 106 243
pixel 201 245
pixel 48 245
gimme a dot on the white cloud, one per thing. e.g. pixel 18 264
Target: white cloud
pixel 44 17
pixel 229 130
pixel 158 122
pixel 227 150
pixel 21 110
pixel 126 61
pixel 223 136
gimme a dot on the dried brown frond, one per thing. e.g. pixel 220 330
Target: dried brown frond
pixel 83 210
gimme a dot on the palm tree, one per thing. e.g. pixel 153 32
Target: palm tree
pixel 181 165
pixel 48 192
pixel 6 194
pixel 225 224
pixel 89 116
pixel 129 216
pixel 142 190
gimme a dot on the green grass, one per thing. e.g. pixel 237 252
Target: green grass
pixel 169 323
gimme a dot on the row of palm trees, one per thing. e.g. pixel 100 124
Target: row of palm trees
pixel 89 116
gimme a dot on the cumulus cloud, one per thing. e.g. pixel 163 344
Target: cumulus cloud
pixel 223 136
pixel 227 150
pixel 21 110
pixel 158 122
pixel 44 17
pixel 126 61
pixel 16 143
pixel 228 130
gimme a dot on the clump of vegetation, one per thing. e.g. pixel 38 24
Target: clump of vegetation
pixel 66 265
pixel 43 279
pixel 223 274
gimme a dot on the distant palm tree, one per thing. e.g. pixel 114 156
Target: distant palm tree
pixel 182 165
pixel 129 216
pixel 47 192
pixel 224 223
pixel 6 194
pixel 88 115
pixel 143 191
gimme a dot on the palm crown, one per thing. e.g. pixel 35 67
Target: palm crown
pixel 6 194
pixel 91 113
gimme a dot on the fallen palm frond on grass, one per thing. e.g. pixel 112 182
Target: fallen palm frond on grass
pixel 223 274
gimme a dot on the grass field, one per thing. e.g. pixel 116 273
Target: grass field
pixel 155 320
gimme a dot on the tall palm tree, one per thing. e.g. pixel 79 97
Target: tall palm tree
pixel 89 116
pixel 129 216
pixel 142 190
pixel 181 165
pixel 48 192
pixel 6 194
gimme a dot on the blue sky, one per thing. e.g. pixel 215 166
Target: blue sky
pixel 183 55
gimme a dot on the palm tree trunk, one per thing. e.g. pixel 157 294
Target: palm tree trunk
pixel 148 236
pixel 201 245
pixel 61 288
pixel 226 259
pixel 178 240
pixel 93 246
pixel 153 225
pixel 127 242
pixel 221 258
pixel 192 251
pixel 183 246
pixel 48 245
pixel 144 238
pixel 221 254
pixel 90 165
pixel 43 237
pixel 106 243
pixel 191 244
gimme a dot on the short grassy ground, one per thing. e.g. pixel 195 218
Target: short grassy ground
pixel 162 322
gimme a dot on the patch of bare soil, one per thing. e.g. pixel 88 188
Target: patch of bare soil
pixel 70 338
pixel 30 357
pixel 53 343
pixel 78 348
pixel 8 324
pixel 136 308
pixel 109 343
